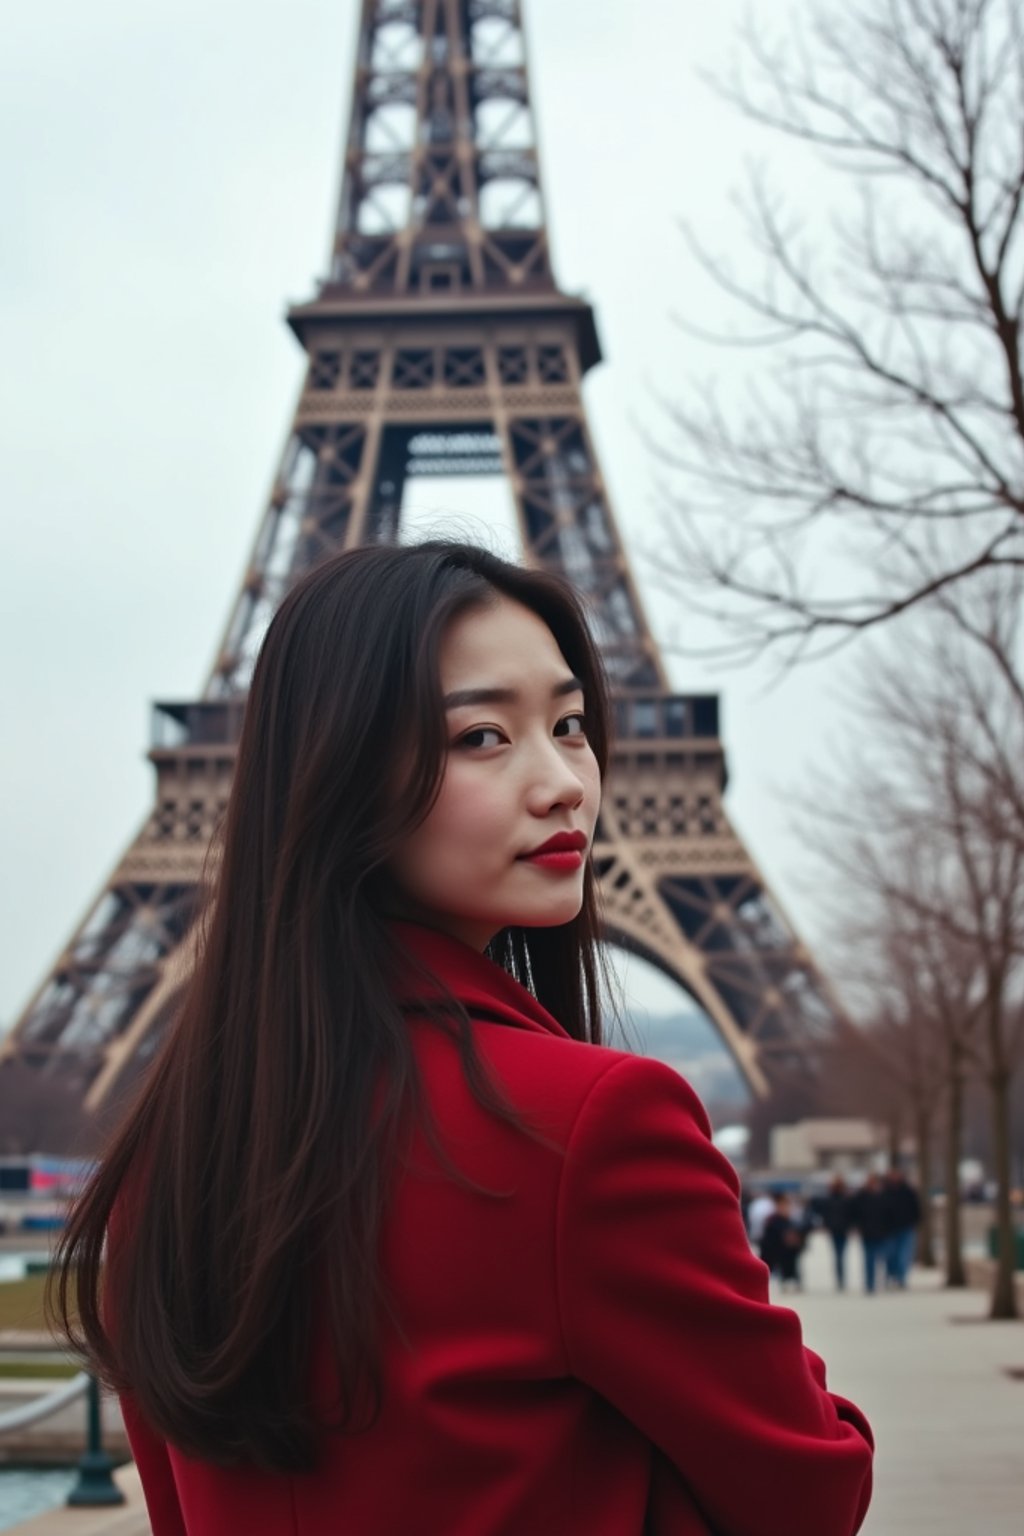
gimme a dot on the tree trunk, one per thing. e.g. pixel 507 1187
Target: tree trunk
pixel 895 1137
pixel 1004 1293
pixel 926 1245
pixel 956 1275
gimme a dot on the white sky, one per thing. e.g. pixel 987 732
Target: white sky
pixel 169 176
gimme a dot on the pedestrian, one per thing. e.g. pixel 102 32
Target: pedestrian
pixel 394 1243
pixel 836 1213
pixel 758 1212
pixel 868 1216
pixel 782 1242
pixel 902 1206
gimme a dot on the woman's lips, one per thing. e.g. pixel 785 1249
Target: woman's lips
pixel 561 861
pixel 562 854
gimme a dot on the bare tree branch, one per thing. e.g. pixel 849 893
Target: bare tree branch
pixel 922 833
pixel 884 384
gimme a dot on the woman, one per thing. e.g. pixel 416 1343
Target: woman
pixel 394 1246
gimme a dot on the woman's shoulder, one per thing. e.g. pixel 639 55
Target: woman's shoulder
pixel 590 1082
pixel 536 1059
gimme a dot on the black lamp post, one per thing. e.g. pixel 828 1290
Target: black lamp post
pixel 95 1484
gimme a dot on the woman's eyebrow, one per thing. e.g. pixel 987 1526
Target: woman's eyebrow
pixel 505 695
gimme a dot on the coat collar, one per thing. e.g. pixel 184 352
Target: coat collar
pixel 484 989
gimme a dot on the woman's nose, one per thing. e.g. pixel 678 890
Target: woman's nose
pixel 554 783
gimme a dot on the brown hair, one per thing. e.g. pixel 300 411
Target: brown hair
pixel 255 1148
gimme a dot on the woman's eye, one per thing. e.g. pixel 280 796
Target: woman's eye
pixel 483 736
pixel 572 725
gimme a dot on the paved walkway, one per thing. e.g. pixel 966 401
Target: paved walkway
pixel 931 1373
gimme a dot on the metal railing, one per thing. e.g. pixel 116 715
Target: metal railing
pixel 44 1407
pixel 95 1484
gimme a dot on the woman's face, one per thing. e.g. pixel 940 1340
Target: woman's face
pixel 519 772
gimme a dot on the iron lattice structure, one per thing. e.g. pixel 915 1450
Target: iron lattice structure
pixel 439 343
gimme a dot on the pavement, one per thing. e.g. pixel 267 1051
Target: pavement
pixel 934 1376
pixel 932 1373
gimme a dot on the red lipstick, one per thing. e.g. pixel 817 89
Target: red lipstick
pixel 562 853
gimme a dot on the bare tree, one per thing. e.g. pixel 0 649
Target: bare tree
pixel 862 1075
pixel 925 829
pixel 875 463
pixel 905 1034
pixel 946 980
pixel 903 1045
pixel 944 986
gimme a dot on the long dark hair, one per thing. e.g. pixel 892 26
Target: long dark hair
pixel 257 1148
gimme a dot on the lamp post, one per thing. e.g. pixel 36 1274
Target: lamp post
pixel 95 1484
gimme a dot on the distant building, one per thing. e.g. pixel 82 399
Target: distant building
pixel 828 1147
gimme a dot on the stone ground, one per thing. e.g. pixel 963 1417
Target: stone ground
pixel 932 1374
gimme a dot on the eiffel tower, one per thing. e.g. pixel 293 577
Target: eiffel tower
pixel 440 344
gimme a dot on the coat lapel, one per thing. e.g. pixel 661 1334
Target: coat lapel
pixel 435 964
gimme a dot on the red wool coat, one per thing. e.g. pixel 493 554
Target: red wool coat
pixel 593 1355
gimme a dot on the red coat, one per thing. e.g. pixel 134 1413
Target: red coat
pixel 595 1349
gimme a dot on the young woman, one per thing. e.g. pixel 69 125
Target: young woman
pixel 395 1247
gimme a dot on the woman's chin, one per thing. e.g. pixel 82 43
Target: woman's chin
pixel 551 914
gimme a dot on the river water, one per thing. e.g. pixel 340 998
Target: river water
pixel 28 1491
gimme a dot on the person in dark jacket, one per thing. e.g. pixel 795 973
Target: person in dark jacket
pixel 837 1218
pixel 782 1242
pixel 868 1216
pixel 902 1210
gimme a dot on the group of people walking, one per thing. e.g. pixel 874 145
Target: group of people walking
pixel 884 1212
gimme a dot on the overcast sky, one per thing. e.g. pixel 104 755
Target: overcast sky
pixel 169 175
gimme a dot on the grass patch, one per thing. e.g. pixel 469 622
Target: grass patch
pixel 21 1303
pixel 38 1370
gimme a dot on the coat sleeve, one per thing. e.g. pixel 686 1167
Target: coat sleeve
pixel 665 1312
pixel 155 1471
pixel 148 1449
